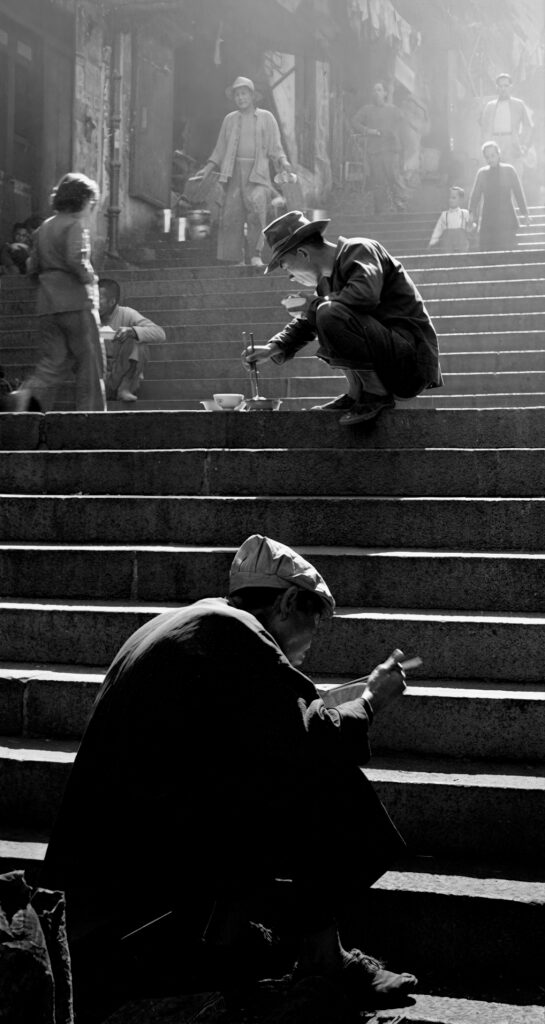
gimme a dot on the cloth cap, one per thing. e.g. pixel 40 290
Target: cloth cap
pixel 504 74
pixel 242 83
pixel 262 562
pixel 287 232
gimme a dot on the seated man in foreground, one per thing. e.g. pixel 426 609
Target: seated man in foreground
pixel 127 351
pixel 367 314
pixel 210 794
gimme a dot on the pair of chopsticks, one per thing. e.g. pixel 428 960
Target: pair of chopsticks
pixel 405 665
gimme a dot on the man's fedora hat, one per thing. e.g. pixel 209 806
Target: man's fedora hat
pixel 242 83
pixel 287 232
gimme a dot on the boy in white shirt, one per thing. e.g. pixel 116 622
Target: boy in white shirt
pixel 453 229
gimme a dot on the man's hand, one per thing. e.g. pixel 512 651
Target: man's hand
pixel 123 333
pixel 385 682
pixel 259 354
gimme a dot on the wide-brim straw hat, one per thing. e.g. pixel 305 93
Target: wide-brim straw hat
pixel 287 232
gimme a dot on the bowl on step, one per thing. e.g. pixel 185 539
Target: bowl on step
pixel 228 402
pixel 210 405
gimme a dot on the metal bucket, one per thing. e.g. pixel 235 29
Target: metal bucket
pixel 198 224
pixel 316 214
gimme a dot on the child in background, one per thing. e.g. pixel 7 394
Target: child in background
pixel 452 233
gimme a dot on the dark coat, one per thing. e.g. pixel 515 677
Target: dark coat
pixel 366 279
pixel 209 766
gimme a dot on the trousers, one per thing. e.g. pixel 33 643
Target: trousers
pixel 385 180
pixel 70 342
pixel 244 203
pixel 358 344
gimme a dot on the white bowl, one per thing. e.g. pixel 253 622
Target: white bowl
pixel 210 405
pixel 226 401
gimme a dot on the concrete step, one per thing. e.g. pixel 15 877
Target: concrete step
pixel 441 718
pixel 448 314
pixel 492 401
pixel 245 280
pixel 403 428
pixel 221 360
pixel 459 383
pixel 308 390
pixel 458 524
pixel 486 341
pixel 446 914
pixel 440 472
pixel 263 329
pixel 463 580
pixel 192 296
pixel 456 645
pixel 474 915
pixel 325 386
pixel 436 805
pixel 190 359
pixel 471 920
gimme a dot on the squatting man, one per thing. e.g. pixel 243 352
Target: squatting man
pixel 210 770
pixel 367 314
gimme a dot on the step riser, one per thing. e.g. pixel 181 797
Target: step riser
pixel 139 285
pixel 321 387
pixel 458 649
pixel 444 820
pixel 479 473
pixel 435 819
pixel 421 723
pixel 476 934
pixel 264 330
pixel 489 942
pixel 501 297
pixel 187 359
pixel 461 582
pixel 404 428
pixel 220 363
pixel 456 525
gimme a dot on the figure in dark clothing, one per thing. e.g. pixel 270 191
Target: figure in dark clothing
pixel 367 314
pixel 14 254
pixel 67 300
pixel 209 770
pixel 494 189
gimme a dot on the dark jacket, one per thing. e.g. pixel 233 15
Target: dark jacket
pixel 367 279
pixel 209 765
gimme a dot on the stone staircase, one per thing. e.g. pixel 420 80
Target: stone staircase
pixel 488 308
pixel 428 526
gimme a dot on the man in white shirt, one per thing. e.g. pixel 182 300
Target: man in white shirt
pixel 506 120
pixel 127 349
pixel 249 138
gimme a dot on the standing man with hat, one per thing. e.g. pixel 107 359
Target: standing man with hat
pixel 213 792
pixel 249 137
pixel 506 121
pixel 367 314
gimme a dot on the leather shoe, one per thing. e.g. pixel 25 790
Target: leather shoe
pixel 342 402
pixel 126 396
pixel 367 408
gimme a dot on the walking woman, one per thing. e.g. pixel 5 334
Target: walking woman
pixel 67 299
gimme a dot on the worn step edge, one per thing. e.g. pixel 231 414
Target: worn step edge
pixel 430 1009
pixel 400 768
pixel 382 614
